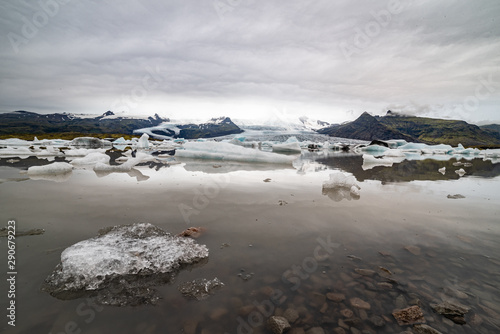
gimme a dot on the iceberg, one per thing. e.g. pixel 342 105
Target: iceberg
pixel 121 264
pixel 15 152
pixel 15 142
pixel 91 159
pixel 56 171
pixel 442 170
pixel 90 142
pixel 143 141
pixel 81 152
pixel 124 167
pixel 426 149
pixel 53 168
pixel 341 186
pixel 394 153
pixel 287 147
pixel 121 141
pixel 461 172
pixel 374 149
pixel 230 152
pixel 50 151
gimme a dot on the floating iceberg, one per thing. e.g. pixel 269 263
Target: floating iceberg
pixel 143 141
pixel 124 167
pixel 290 147
pixel 121 141
pixel 341 186
pixel 442 170
pixel 53 168
pixel 91 159
pixel 121 264
pixel 15 152
pixel 81 152
pixel 230 152
pixel 394 153
pixel 374 149
pixel 90 142
pixel 56 171
pixel 461 172
pixel 50 151
pixel 15 142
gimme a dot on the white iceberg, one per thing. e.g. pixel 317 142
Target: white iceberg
pixel 461 172
pixel 91 159
pixel 124 167
pixel 394 153
pixel 230 152
pixel 374 149
pixel 16 152
pixel 81 152
pixel 53 168
pixel 143 141
pixel 56 171
pixel 88 142
pixel 122 257
pixel 49 151
pixel 341 186
pixel 15 142
pixel 290 147
pixel 442 170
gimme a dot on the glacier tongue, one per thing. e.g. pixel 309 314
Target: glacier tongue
pixel 121 263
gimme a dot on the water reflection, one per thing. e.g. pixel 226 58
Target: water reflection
pixel 421 168
pixel 407 171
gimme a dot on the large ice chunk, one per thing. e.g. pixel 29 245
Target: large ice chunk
pixel 91 159
pixel 230 152
pixel 143 141
pixel 15 152
pixel 90 142
pixel 394 153
pixel 53 168
pixel 341 186
pixel 125 167
pixel 290 147
pixel 56 171
pixel 121 262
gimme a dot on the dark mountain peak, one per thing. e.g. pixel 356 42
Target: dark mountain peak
pixel 365 117
pixel 108 113
pixel 365 127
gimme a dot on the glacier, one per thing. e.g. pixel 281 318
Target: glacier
pixel 229 152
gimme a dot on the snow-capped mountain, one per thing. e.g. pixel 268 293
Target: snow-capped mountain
pixel 215 127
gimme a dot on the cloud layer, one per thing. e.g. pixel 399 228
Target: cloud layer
pixel 243 58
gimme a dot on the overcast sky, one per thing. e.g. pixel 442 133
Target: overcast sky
pixel 328 59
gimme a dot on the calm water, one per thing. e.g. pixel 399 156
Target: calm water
pixel 293 242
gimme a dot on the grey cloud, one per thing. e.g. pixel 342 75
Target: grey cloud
pixel 92 52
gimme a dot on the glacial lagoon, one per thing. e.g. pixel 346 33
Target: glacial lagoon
pixel 281 243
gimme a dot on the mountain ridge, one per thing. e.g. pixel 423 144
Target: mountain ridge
pixel 413 129
pixel 22 122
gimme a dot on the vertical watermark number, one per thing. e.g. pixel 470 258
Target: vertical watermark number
pixel 11 272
